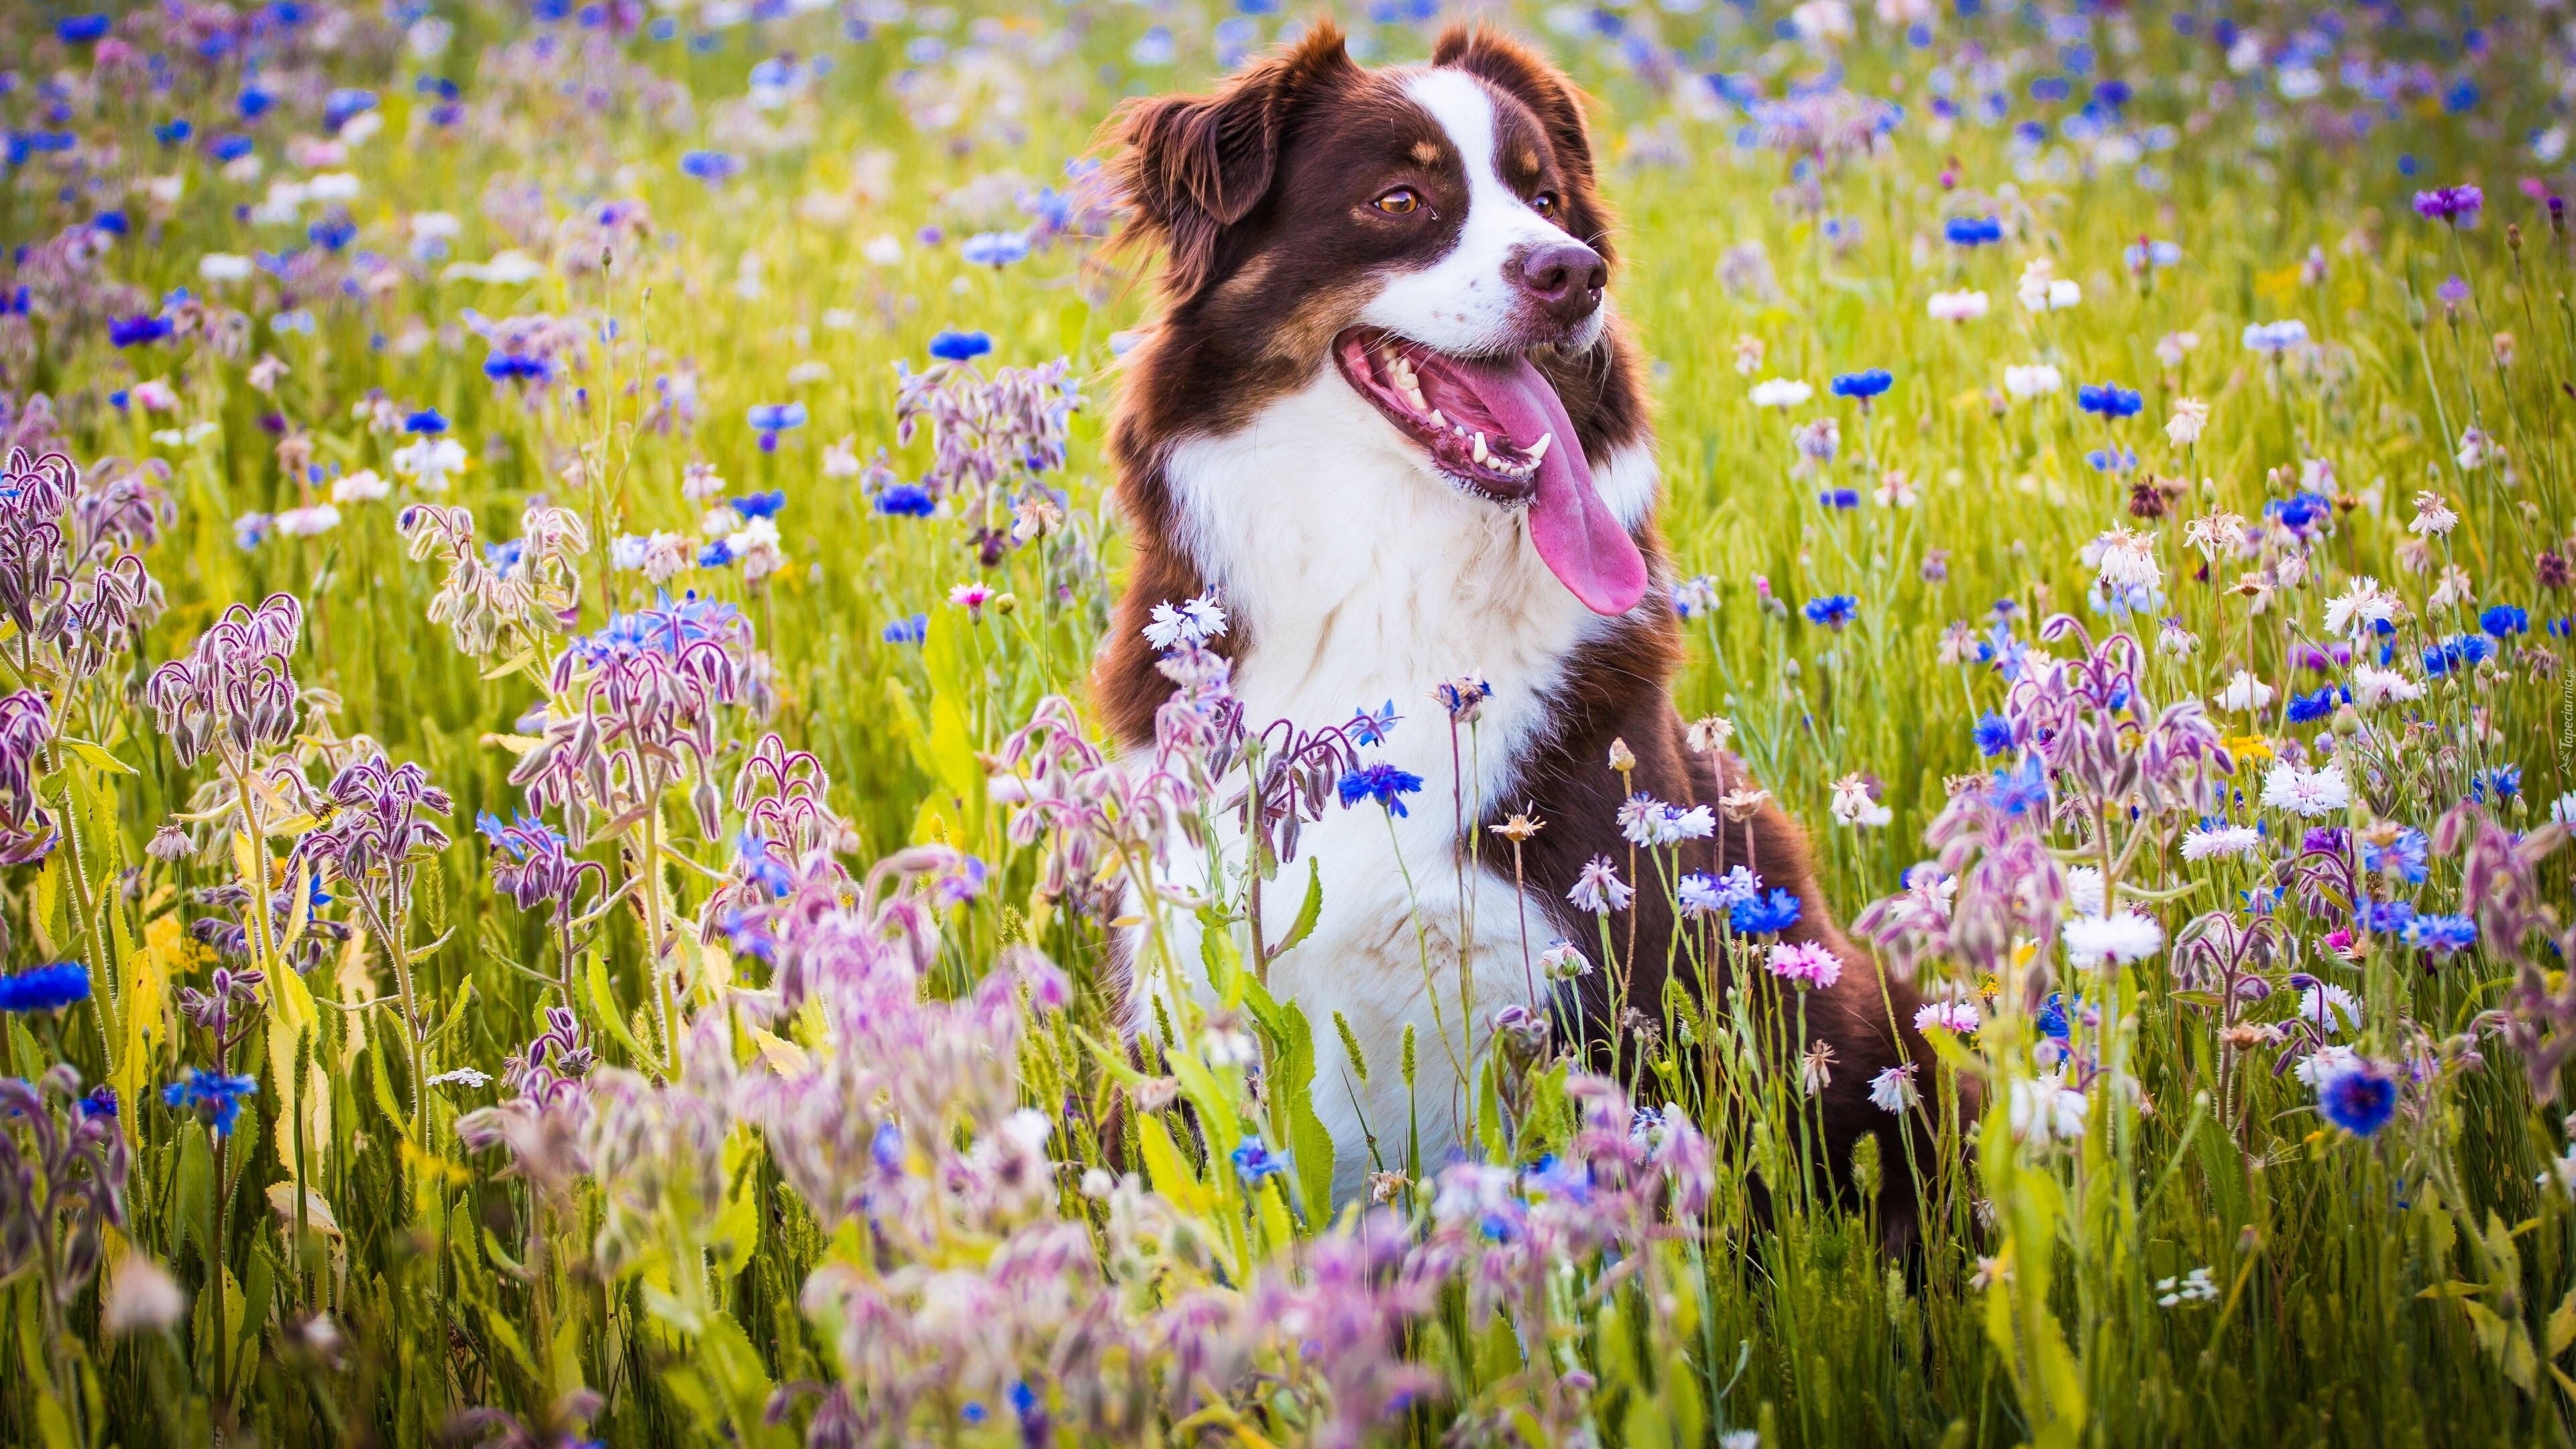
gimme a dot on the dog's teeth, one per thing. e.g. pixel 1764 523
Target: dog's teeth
pixel 1480 448
pixel 1538 449
pixel 1436 421
pixel 1414 396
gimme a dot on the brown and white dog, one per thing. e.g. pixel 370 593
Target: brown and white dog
pixel 1390 416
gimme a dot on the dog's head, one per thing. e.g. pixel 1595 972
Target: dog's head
pixel 1434 231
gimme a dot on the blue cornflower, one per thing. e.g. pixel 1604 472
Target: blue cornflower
pixel 2309 708
pixel 771 419
pixel 717 554
pixel 2112 460
pixel 1994 734
pixel 2109 399
pixel 2389 918
pixel 111 222
pixel 1368 728
pixel 231 147
pixel 45 988
pixel 1863 385
pixel 254 102
pixel 885 1147
pixel 345 105
pixel 80 29
pixel 2505 781
pixel 2359 1099
pixel 1256 1162
pixel 2051 1019
pixel 1838 497
pixel 332 233
pixel 515 366
pixel 2457 652
pixel 908 631
pixel 995 249
pixel 2021 789
pixel 427 420
pixel 759 505
pixel 2441 935
pixel 712 167
pixel 136 331
pixel 1973 231
pixel 173 132
pixel 1833 611
pixel 2406 856
pixel 952 345
pixel 1381 782
pixel 906 500
pixel 1764 915
pixel 214 1097
pixel 2504 621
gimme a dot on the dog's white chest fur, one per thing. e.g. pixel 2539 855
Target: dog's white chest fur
pixel 1359 575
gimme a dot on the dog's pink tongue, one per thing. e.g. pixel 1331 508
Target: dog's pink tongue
pixel 1583 545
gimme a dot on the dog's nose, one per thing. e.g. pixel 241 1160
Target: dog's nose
pixel 1564 277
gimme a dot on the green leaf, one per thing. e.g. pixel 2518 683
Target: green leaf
pixel 603 1000
pixel 1308 912
pixel 96 757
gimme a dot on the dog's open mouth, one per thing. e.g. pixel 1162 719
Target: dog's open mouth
pixel 1498 430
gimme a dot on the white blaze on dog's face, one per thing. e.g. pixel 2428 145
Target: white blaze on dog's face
pixel 1479 297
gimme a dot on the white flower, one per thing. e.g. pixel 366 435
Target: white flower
pixel 2245 692
pixel 2172 638
pixel 2036 380
pixel 882 251
pixel 2197 1287
pixel 2372 687
pixel 2362 604
pixel 2476 449
pixel 2562 811
pixel 2454 588
pixel 1852 804
pixel 142 1297
pixel 363 486
pixel 429 462
pixel 626 552
pixel 461 1077
pixel 667 556
pixel 2123 936
pixel 435 225
pixel 2331 1007
pixel 2084 889
pixel 2125 560
pixel 2433 515
pixel 2190 417
pixel 332 186
pixel 224 267
pixel 1893 1090
pixel 1562 962
pixel 2203 842
pixel 1822 22
pixel 2045 1110
pixel 1957 306
pixel 508 269
pixel 840 461
pixel 2326 1063
pixel 1895 490
pixel 2310 793
pixel 1951 1016
pixel 758 546
pixel 311 522
pixel 1780 392
pixel 2042 290
pixel 2171 347
pixel 1598 890
pixel 1193 621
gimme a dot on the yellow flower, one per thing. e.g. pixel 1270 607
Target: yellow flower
pixel 2249 747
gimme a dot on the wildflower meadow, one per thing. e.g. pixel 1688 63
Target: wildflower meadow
pixel 558 869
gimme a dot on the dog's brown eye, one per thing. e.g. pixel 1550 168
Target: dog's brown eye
pixel 1544 203
pixel 1399 202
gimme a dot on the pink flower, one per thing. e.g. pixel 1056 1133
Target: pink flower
pixel 1806 963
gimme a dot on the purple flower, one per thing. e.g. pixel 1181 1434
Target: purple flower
pixel 2449 203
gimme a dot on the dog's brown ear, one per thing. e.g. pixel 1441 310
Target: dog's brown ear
pixel 1195 165
pixel 1530 77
